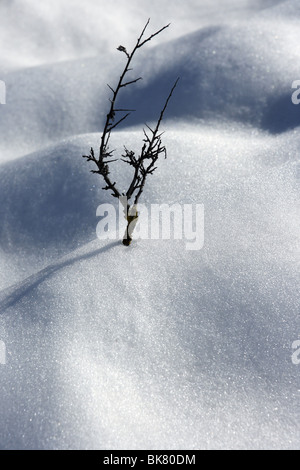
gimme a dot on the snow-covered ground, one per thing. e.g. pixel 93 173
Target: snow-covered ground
pixel 152 345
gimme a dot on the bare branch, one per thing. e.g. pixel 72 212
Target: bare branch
pixel 152 35
pixel 118 122
pixel 165 106
pixel 111 88
pixel 129 83
pixel 152 148
pixel 149 128
pixel 144 29
pixel 124 110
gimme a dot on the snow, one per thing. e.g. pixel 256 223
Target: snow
pixel 150 346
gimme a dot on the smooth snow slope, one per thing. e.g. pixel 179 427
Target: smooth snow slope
pixel 241 70
pixel 150 346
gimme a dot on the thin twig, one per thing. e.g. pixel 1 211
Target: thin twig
pixel 152 148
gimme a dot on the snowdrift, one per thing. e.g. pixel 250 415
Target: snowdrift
pixel 151 346
pixel 239 71
pixel 154 335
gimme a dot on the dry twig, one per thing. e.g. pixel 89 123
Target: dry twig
pixel 143 164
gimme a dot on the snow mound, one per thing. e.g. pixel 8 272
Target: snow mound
pixel 87 28
pixel 239 71
pixel 133 353
pixel 150 346
pixel 155 346
pixel 50 197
